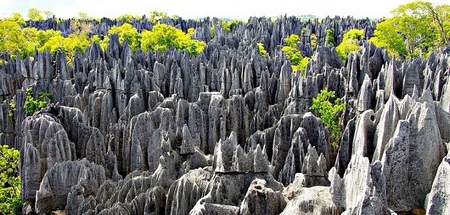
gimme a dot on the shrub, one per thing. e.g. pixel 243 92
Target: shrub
pixel 327 108
pixel 33 105
pixel 228 26
pixel 10 202
pixel 329 39
pixel 127 32
pixel 298 61
pixel 349 43
pixel 262 50
pixel 163 37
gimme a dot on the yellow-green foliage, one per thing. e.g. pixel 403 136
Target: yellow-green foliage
pixel 16 39
pixel 261 49
pixel 329 39
pixel 387 37
pixel 349 43
pixel 128 32
pixel 102 42
pixel 33 105
pixel 298 61
pixel 156 16
pixel 229 25
pixel 35 14
pixel 327 107
pixel 163 37
pixel 10 202
pixel 17 17
pixel 415 29
pixel 313 39
pixel 12 38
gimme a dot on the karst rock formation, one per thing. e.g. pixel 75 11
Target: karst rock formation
pixel 230 131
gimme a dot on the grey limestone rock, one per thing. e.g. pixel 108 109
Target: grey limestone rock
pixel 438 199
pixel 385 127
pixel 362 190
pixel 411 159
pixel 312 201
pixel 45 143
pixel 345 148
pixel 187 190
pixel 260 199
pixel 365 127
pixel 365 96
pixel 59 180
pixel 294 159
pixel 314 169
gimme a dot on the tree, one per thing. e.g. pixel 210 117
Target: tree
pixel 386 36
pixel 10 202
pixel 228 26
pixel 33 105
pixel 83 16
pixel 262 50
pixel 329 39
pixel 416 28
pixel 156 16
pixel 298 61
pixel 127 32
pixel 49 14
pixel 17 17
pixel 349 43
pixel 125 18
pixel 163 37
pixel 327 108
pixel 34 14
pixel 11 38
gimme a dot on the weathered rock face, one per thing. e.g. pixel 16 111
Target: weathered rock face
pixel 438 198
pixel 186 191
pixel 228 131
pixel 260 199
pixel 58 181
pixel 312 201
pixel 412 156
pixel 362 190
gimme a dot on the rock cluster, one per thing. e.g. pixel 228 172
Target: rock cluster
pixel 229 131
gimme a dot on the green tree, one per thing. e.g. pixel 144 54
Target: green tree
pixel 329 38
pixel 228 26
pixel 262 50
pixel 125 18
pixel 416 28
pixel 298 61
pixel 103 43
pixel 10 202
pixel 127 32
pixel 49 14
pixel 349 43
pixel 35 14
pixel 32 104
pixel 327 107
pixel 156 16
pixel 163 37
pixel 83 16
pixel 386 36
pixel 11 38
pixel 17 17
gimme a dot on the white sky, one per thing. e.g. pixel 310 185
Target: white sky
pixel 239 9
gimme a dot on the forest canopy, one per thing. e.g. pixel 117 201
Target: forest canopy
pixel 415 29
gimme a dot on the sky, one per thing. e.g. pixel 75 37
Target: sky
pixel 237 9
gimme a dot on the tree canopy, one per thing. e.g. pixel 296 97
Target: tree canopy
pixel 163 37
pixel 298 61
pixel 349 43
pixel 415 29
